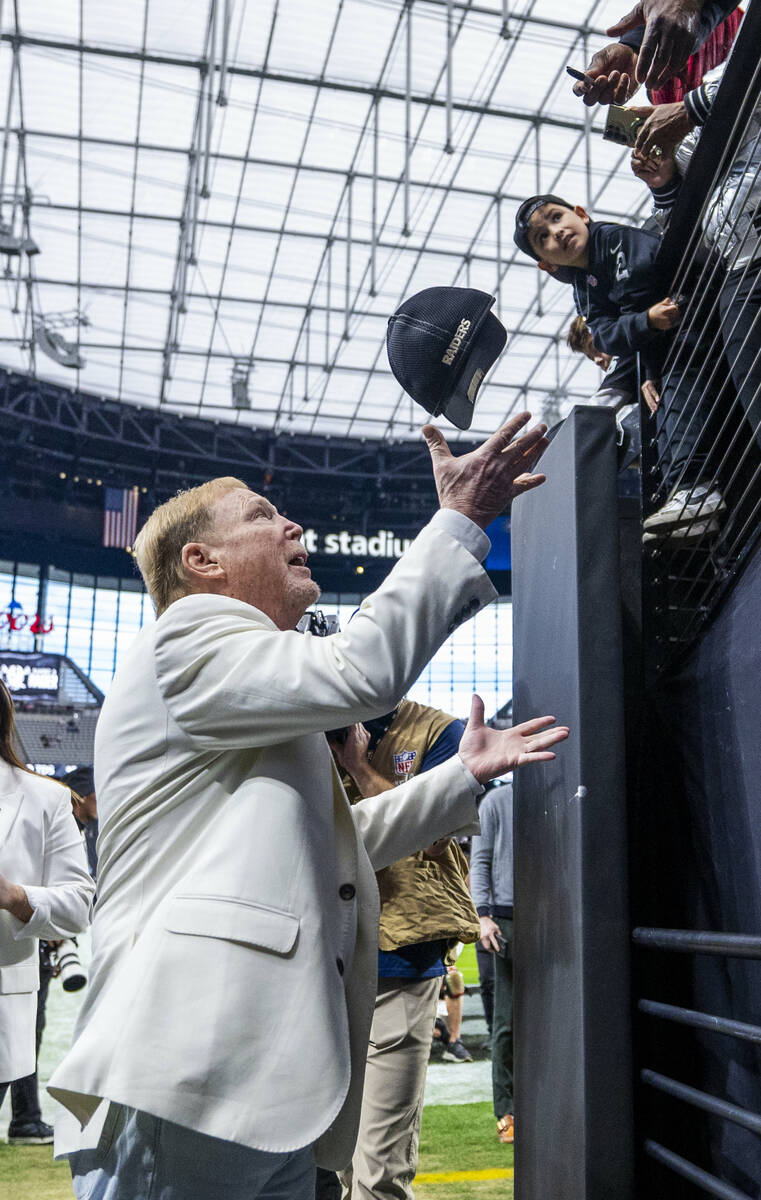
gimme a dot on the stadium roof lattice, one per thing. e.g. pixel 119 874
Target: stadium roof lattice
pixel 244 190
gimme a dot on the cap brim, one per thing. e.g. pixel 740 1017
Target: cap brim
pixel 460 406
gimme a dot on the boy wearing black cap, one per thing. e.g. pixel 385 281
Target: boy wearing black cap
pixel 613 271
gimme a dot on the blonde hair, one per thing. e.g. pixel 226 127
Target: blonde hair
pixel 578 333
pixel 158 546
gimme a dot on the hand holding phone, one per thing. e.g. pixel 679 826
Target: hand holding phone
pixel 581 76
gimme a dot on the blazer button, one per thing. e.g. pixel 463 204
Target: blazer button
pixel 340 965
pixel 347 891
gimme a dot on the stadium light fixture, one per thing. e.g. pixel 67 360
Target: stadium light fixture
pixel 239 382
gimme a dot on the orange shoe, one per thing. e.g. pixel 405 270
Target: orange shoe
pixel 506 1129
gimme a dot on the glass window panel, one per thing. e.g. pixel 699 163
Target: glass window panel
pixel 102 649
pixel 57 610
pixel 478 657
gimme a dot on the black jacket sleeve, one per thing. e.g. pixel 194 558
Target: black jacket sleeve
pixel 618 318
pixel 712 14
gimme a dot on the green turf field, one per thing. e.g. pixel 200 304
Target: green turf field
pixel 29 1173
pixel 456 1139
pixel 467 963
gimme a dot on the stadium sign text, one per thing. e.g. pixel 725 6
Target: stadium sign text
pixel 383 544
pixel 33 677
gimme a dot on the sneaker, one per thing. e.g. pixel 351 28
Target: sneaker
pixel 684 506
pixel 456 1052
pixel 34 1133
pixel 506 1129
pixel 685 533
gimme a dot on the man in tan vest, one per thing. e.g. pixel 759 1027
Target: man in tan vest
pixel 426 909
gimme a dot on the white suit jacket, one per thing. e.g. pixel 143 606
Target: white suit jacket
pixel 42 849
pixel 235 936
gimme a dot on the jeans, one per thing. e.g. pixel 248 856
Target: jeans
pixel 327 1185
pixel 685 419
pixel 502 1030
pixel 141 1157
pixel 740 303
pixel 485 960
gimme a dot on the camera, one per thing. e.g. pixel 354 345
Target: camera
pixel 622 125
pixel 319 624
pixel 66 959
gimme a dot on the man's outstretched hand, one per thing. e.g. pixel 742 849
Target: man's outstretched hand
pixel 481 484
pixel 490 752
pixel 669 40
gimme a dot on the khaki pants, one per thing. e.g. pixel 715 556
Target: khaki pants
pixel 385 1160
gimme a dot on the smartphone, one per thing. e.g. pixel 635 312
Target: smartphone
pixel 504 947
pixel 622 125
pixel 580 76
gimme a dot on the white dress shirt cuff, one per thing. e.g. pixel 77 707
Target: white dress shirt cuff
pixel 476 788
pixel 463 530
pixel 39 900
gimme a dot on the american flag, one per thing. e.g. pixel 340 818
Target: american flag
pixel 120 516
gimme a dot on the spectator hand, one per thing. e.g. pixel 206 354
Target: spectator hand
pixel 490 752
pixel 664 127
pixel 351 755
pixel 664 315
pixel 612 69
pixel 651 395
pixel 669 40
pixel 481 484
pixel 490 932
pixel 13 899
pixel 655 172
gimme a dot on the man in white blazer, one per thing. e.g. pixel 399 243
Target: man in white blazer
pixel 236 884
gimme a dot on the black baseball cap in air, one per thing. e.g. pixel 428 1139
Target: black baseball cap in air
pixel 441 342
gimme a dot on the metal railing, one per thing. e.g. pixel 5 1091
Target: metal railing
pixel 698 942
pixel 706 440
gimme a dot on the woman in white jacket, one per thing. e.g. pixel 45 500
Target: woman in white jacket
pixel 45 891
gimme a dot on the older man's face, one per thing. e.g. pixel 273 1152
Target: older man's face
pixel 261 556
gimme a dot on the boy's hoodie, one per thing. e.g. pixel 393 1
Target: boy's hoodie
pixel 614 292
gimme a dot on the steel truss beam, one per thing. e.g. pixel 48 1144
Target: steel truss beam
pixel 301 363
pixel 297 305
pixel 276 163
pixel 309 234
pixel 69 426
pixel 501 15
pixel 355 89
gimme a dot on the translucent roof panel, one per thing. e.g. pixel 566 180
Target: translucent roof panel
pixel 231 197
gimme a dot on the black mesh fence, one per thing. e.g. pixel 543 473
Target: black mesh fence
pixel 702 448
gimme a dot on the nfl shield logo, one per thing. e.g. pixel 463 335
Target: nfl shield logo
pixel 403 762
